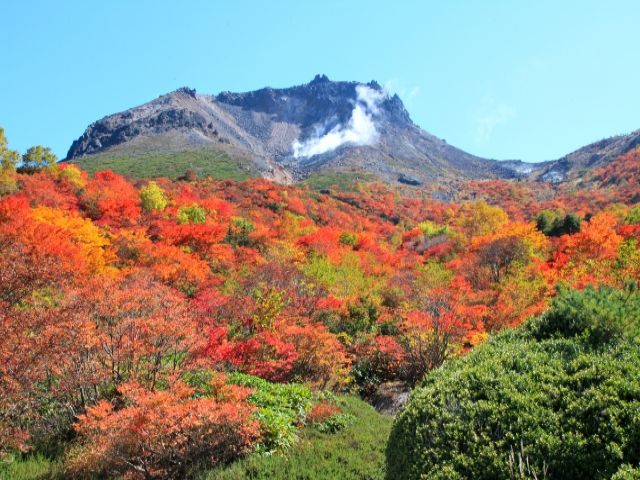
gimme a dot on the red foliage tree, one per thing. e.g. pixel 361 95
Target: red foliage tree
pixel 160 434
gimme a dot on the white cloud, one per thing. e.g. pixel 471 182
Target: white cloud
pixel 491 115
pixel 406 93
pixel 360 130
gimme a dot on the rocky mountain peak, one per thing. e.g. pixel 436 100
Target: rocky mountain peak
pixel 319 78
pixel 323 125
pixel 190 92
pixel 321 101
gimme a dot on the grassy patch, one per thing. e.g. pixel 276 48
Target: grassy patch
pixel 33 467
pixel 344 181
pixel 354 453
pixel 207 163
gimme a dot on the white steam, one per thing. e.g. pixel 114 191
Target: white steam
pixel 360 130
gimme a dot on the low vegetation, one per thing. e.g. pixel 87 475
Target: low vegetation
pixel 203 163
pixel 345 181
pixel 353 452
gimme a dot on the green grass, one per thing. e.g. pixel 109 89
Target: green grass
pixel 207 163
pixel 355 453
pixel 34 467
pixel 344 181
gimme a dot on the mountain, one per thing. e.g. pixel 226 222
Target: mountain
pixel 288 134
pixel 320 128
pixel 587 158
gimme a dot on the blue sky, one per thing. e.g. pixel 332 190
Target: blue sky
pixel 501 79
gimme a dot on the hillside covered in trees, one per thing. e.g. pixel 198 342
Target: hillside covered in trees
pixel 154 328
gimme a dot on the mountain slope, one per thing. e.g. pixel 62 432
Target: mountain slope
pixel 320 128
pixel 288 134
pixel 578 163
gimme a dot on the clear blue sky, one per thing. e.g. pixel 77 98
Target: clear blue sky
pixel 501 79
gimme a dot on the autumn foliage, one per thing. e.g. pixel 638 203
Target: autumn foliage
pixel 159 434
pixel 113 292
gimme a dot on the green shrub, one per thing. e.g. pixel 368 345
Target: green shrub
pixel 554 224
pixel 335 423
pixel 627 472
pixel 8 183
pixel 431 229
pixel 348 238
pixel 73 175
pixel 239 231
pixel 542 391
pixel 345 279
pixel 599 316
pixel 361 317
pixel 633 217
pixel 30 467
pixel 153 198
pixel 282 408
pixel 192 214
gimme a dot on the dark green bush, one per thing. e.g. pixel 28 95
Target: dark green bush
pixel 599 316
pixel 348 238
pixel 361 317
pixel 533 395
pixel 553 224
pixel 239 231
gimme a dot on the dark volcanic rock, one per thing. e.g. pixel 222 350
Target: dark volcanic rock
pixel 320 101
pixel 390 397
pixel 407 180
pixel 121 127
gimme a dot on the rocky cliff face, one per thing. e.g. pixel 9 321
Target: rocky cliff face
pixel 172 112
pixel 319 102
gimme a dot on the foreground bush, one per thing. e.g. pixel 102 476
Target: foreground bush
pixel 561 395
pixel 161 434
pixel 627 472
pixel 597 316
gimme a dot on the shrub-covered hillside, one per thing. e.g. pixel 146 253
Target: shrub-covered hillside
pixel 147 323
pixel 557 398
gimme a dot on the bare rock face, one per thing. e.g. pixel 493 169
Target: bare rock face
pixel 389 398
pixel 172 112
pixel 320 126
